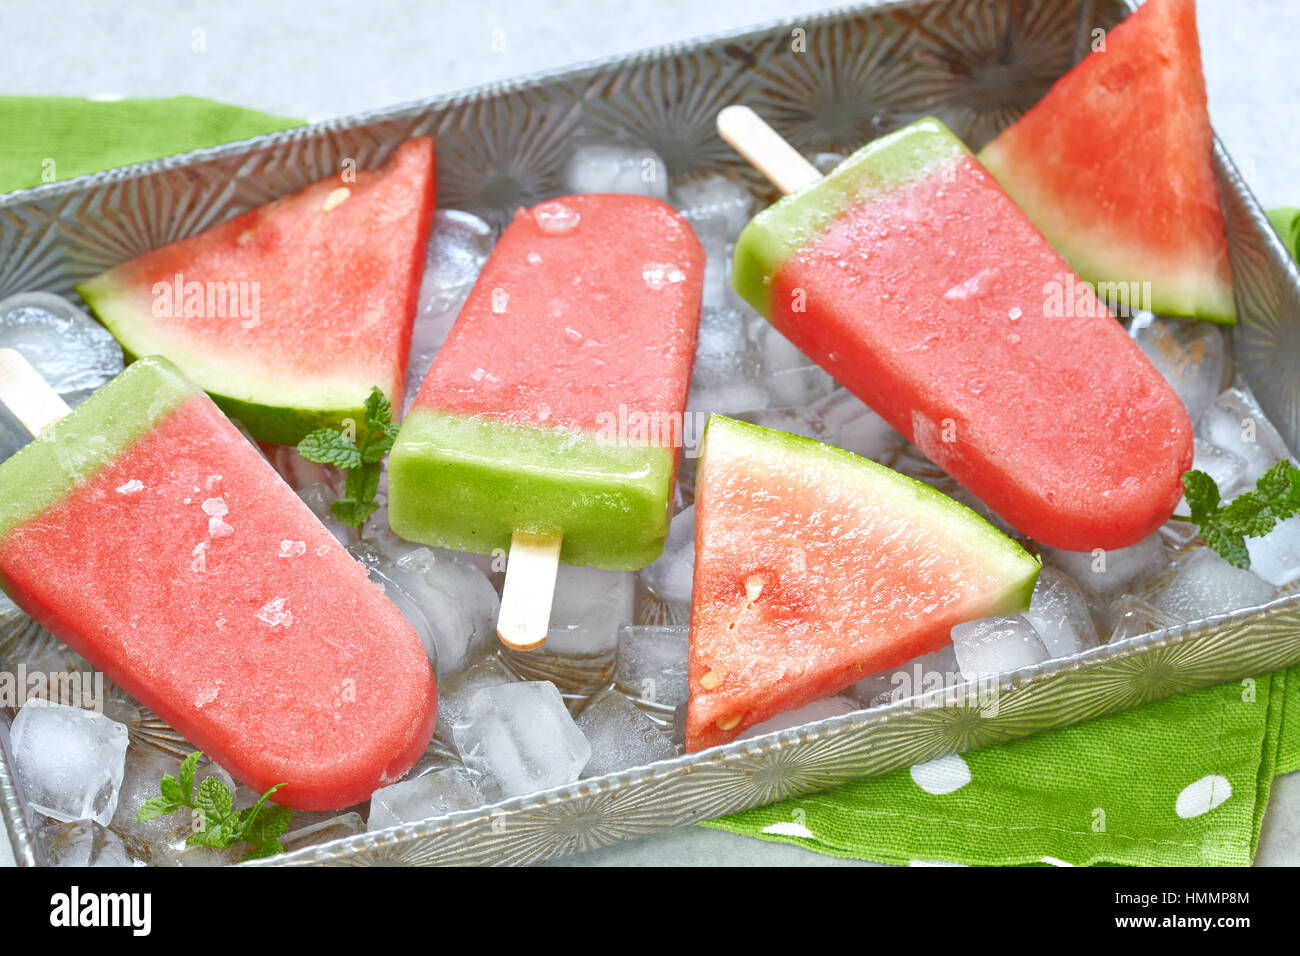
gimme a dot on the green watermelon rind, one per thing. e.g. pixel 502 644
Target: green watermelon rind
pixel 1194 294
pixel 90 437
pixel 1019 568
pixel 779 231
pixel 279 413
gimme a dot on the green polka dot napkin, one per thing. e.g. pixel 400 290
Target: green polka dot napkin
pixel 1182 781
pixel 49 139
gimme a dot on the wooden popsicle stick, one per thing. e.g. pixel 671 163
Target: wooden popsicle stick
pixel 27 395
pixel 782 164
pixel 530 585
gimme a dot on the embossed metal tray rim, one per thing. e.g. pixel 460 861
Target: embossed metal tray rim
pixel 747 773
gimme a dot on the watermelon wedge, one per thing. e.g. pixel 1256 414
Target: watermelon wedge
pixel 1114 166
pixel 815 568
pixel 288 314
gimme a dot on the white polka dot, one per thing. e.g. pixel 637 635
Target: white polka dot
pixel 789 828
pixel 1202 796
pixel 942 775
pixel 933 863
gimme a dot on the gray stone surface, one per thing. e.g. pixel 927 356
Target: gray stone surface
pixel 327 57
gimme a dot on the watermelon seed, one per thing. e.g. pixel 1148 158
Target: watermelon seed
pixel 711 680
pixel 336 198
pixel 753 587
pixel 726 723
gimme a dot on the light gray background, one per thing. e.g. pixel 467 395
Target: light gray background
pixel 328 57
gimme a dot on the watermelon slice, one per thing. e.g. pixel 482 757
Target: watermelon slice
pixel 1114 166
pixel 288 314
pixel 815 568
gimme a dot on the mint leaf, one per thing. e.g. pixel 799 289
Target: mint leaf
pixel 222 827
pixel 156 807
pixel 1230 545
pixel 376 449
pixel 171 790
pixel 1252 514
pixel 268 824
pixel 220 835
pixel 1275 483
pixel 327 446
pixel 360 458
pixel 213 799
pixel 1202 494
pixel 351 512
pixel 263 850
pixel 379 410
pixel 187 774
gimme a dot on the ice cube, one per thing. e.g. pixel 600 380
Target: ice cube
pixel 793 379
pixel 611 167
pixel 716 207
pixel 839 419
pixel 521 738
pixel 1275 557
pixel 318 497
pixel 1060 616
pixel 69 761
pixel 81 843
pixel 1236 424
pixel 1104 575
pixel 621 736
pixel 1204 585
pixel 588 607
pixel 458 248
pixel 927 672
pixel 299 473
pixel 142 776
pixel 669 577
pixel 74 353
pixel 459 245
pixel 456 691
pixel 796 387
pixel 817 710
pixel 722 330
pixel 12 434
pixel 1227 470
pixel 1134 617
pixel 826 162
pixel 431 795
pixel 996 645
pixel 23 641
pixel 727 383
pixel 652 664
pixel 1190 355
pixel 450 602
pixel 323 831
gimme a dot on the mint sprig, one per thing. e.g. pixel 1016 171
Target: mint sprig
pixel 360 457
pixel 220 825
pixel 1252 514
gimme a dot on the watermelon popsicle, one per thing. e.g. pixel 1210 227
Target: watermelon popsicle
pixel 910 276
pixel 148 534
pixel 550 419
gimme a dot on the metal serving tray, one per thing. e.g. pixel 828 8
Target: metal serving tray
pixel 828 82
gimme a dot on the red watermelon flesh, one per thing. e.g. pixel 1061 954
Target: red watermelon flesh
pixel 1048 412
pixel 815 568
pixel 1114 165
pixel 288 314
pixel 147 533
